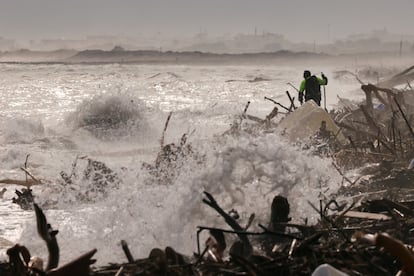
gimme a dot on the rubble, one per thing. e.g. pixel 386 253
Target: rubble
pixel 306 121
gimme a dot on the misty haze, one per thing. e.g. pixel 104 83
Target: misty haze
pixel 333 27
pixel 211 137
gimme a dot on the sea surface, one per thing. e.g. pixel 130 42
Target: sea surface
pixel 57 117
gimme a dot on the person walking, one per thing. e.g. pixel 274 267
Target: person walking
pixel 311 85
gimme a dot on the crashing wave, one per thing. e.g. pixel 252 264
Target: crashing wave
pixel 110 116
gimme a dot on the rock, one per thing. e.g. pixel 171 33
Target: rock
pixel 306 121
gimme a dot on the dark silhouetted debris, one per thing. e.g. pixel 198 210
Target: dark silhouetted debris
pixel 22 264
pixel 351 244
pixel 25 199
pixel 46 232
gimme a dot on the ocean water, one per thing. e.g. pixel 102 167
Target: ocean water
pixel 61 115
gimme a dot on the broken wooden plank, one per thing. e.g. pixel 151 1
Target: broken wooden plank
pixel 28 183
pixel 366 215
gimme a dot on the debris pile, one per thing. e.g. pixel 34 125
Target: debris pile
pixel 380 136
pixel 381 127
pixel 374 137
pixel 373 238
pixel 350 239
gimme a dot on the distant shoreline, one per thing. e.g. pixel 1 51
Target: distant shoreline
pixel 97 57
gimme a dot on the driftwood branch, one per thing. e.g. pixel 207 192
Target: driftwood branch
pixel 25 163
pixel 294 87
pixel 128 254
pixel 374 126
pixel 279 104
pixel 28 183
pixel 244 115
pixel 245 108
pixel 405 117
pixel 49 236
pixel 79 266
pixel 342 174
pixel 292 101
pixel 331 222
pixel 370 89
pixel 165 129
pixel 249 233
pixel 31 175
pixel 19 258
pixel 210 201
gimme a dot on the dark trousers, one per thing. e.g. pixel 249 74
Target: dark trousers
pixel 316 100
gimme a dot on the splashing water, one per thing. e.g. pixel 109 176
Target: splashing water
pixel 110 116
pixel 122 130
pixel 244 173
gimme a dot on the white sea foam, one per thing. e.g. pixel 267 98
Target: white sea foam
pixel 242 172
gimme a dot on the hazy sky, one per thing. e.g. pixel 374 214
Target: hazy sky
pixel 304 20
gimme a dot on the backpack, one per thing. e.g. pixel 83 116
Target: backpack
pixel 312 88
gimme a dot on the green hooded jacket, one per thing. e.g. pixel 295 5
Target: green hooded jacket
pixel 303 83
